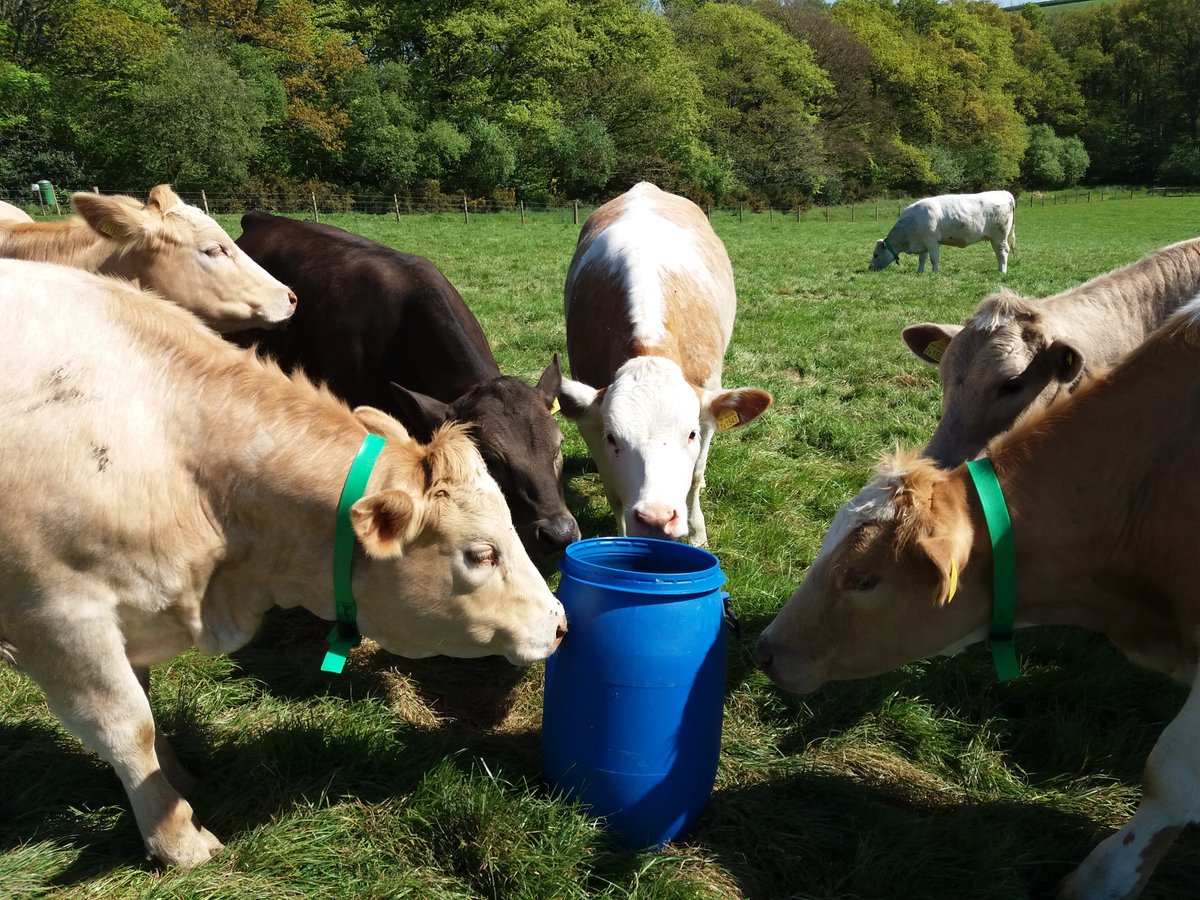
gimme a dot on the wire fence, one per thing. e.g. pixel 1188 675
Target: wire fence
pixel 314 205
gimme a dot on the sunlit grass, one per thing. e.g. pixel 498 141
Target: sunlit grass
pixel 422 780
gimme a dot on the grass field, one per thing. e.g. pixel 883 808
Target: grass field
pixel 404 779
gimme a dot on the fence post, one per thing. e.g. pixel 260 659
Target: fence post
pixel 576 212
pixel 203 197
pixel 316 216
pixel 826 212
pixel 396 204
pixel 770 213
pixel 96 190
pixel 876 211
pixel 741 218
pixel 1031 201
pixel 465 218
pixel 521 204
pixel 1089 196
pixel 797 210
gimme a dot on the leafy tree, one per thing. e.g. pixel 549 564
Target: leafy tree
pixel 585 157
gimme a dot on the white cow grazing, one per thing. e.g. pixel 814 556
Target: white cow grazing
pixel 164 245
pixel 957 220
pixel 650 305
pixel 10 214
pixel 163 489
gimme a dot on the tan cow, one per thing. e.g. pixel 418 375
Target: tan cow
pixel 10 214
pixel 1103 497
pixel 166 246
pixel 650 306
pixel 1015 355
pixel 163 489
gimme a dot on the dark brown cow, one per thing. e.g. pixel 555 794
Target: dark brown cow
pixel 386 329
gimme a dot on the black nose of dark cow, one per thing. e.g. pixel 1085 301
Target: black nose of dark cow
pixel 554 534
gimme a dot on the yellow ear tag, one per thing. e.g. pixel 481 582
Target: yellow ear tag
pixel 953 580
pixel 554 406
pixel 727 419
pixel 109 227
pixel 935 349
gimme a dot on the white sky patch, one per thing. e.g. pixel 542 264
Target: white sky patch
pixel 642 245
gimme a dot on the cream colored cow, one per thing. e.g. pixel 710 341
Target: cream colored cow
pixel 163 489
pixel 164 245
pixel 1103 497
pixel 10 215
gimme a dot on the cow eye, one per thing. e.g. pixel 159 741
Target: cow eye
pixel 215 251
pixel 1010 387
pixel 482 556
pixel 691 437
pixel 612 442
pixel 860 581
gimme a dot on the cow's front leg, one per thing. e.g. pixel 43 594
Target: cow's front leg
pixel 921 257
pixel 697 531
pixel 935 253
pixel 91 687
pixel 181 778
pixel 1122 864
pixel 1001 248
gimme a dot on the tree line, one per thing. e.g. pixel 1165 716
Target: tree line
pixel 766 102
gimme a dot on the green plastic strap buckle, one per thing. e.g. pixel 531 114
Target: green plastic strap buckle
pixel 345 637
pixel 1004 568
pixel 895 255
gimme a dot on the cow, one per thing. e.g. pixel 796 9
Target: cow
pixel 386 329
pixel 164 245
pixel 1017 354
pixel 164 489
pixel 957 220
pixel 10 214
pixel 1102 496
pixel 650 304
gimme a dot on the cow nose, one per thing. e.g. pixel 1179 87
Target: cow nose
pixel 292 300
pixel 559 632
pixel 656 518
pixel 554 534
pixel 762 654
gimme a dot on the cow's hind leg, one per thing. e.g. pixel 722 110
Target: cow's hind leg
pixel 1120 866
pixel 80 663
pixel 1001 248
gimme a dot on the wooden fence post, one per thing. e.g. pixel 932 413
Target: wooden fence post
pixel 396 204
pixel 465 218
pixel 522 207
pixel 96 190
pixel 797 210
pixel 851 212
pixel 316 215
pixel 576 212
pixel 876 211
pixel 826 212
pixel 741 217
pixel 203 197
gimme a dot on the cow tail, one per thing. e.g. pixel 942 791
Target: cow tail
pixel 1012 231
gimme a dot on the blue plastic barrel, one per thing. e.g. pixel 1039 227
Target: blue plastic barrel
pixel 631 716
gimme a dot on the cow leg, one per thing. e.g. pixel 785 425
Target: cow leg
pixel 935 253
pixel 181 778
pixel 91 687
pixel 697 532
pixel 1001 248
pixel 921 261
pixel 1122 864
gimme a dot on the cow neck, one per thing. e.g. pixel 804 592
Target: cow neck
pixel 1004 567
pixel 895 255
pixel 345 635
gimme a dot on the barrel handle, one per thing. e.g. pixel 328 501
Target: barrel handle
pixel 731 619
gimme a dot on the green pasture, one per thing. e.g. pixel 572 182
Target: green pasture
pixel 421 780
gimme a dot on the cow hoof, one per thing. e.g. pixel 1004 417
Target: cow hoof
pixel 188 850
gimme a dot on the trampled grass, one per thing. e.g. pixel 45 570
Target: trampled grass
pixel 405 779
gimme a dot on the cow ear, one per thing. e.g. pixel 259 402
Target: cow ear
pixel 929 341
pixel 420 413
pixel 385 523
pixel 940 551
pixel 380 423
pixel 579 400
pixel 122 219
pixel 735 408
pixel 550 382
pixel 1067 362
pixel 163 198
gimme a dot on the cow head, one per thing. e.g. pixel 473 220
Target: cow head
pixel 521 443
pixel 446 572
pixel 994 371
pixel 174 249
pixel 883 256
pixel 882 591
pixel 649 432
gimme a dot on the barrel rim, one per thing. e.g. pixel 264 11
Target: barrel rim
pixel 583 561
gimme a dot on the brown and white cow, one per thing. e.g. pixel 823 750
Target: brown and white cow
pixel 650 305
pixel 163 489
pixel 10 214
pixel 1016 354
pixel 1103 497
pixel 166 246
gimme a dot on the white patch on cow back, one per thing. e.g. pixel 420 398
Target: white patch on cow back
pixel 640 246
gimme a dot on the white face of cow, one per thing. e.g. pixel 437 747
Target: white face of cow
pixel 644 431
pixel 179 252
pixel 882 257
pixel 448 574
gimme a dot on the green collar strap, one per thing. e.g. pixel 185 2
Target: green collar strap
pixel 895 255
pixel 1004 568
pixel 345 637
